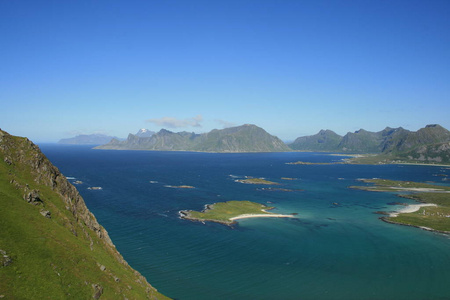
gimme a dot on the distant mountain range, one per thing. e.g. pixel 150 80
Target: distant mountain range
pixel 100 139
pixel 88 139
pixel 245 138
pixel 389 140
pixel 429 144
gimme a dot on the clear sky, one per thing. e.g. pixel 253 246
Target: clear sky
pixel 291 67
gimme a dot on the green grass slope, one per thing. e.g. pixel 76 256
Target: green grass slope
pixel 52 247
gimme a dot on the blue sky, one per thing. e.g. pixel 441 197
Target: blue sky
pixel 291 67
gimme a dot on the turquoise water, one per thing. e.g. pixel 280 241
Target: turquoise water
pixel 330 252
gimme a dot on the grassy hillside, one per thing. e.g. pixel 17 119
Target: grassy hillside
pixel 52 246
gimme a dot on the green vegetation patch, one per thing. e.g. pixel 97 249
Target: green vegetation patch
pixel 222 212
pixel 384 185
pixel 441 199
pixel 436 218
pixel 430 217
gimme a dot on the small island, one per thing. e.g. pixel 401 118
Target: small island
pixel 95 188
pixel 256 181
pixel 180 186
pixel 316 163
pixel 228 212
pixel 433 212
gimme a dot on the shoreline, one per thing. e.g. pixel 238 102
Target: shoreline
pixel 390 221
pixel 410 209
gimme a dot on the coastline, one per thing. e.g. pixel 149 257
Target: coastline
pixel 410 209
pixel 388 220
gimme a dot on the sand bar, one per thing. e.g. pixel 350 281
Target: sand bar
pixel 245 216
pixel 410 209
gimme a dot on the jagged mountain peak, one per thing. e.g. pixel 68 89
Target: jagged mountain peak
pixel 144 133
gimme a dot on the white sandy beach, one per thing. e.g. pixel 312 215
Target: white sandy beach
pixel 410 208
pixel 419 189
pixel 245 216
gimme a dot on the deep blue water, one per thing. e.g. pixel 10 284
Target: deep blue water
pixel 330 252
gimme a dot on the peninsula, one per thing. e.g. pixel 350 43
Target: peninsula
pixel 433 212
pixel 228 212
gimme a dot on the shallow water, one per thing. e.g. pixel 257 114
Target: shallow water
pixel 331 251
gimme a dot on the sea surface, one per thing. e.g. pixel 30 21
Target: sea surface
pixel 337 248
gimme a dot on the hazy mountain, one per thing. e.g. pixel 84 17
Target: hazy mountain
pixel 87 139
pixel 325 140
pixel 51 245
pixel 143 133
pixel 245 138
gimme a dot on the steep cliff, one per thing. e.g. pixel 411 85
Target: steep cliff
pixel 55 247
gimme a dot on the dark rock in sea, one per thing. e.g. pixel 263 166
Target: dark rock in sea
pixel 381 213
pixel 397 203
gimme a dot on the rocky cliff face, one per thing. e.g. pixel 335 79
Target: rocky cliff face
pixel 23 152
pixel 26 171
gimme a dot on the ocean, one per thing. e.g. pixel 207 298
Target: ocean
pixel 337 248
